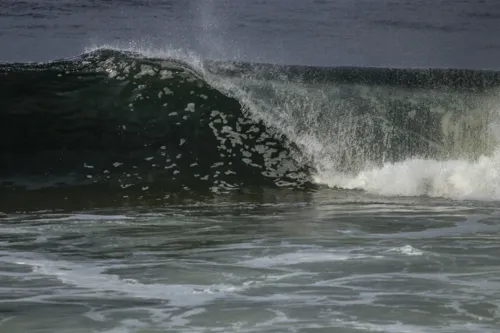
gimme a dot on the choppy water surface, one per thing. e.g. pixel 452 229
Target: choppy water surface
pixel 330 261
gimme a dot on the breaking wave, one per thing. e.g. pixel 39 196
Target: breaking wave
pixel 135 122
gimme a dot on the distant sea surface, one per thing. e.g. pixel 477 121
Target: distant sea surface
pixel 421 33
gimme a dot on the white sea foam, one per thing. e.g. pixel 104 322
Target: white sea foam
pixel 96 279
pixel 300 257
pixel 456 179
pixel 408 250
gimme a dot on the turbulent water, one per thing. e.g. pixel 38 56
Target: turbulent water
pixel 159 192
pixel 323 262
pixel 134 124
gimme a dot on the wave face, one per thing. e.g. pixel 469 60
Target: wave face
pixel 124 121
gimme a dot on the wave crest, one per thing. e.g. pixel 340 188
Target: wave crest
pixel 129 121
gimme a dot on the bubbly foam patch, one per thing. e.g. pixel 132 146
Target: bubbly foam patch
pixel 456 179
pixel 408 250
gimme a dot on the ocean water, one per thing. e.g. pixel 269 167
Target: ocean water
pixel 249 166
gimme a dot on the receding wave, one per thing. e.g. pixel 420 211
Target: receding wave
pixel 127 122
